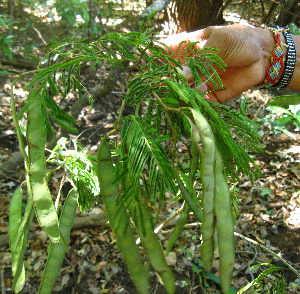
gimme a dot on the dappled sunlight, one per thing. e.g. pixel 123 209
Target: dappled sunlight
pixel 233 17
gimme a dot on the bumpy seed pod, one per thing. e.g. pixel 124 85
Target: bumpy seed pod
pixel 57 251
pixel 224 225
pixel 123 230
pixel 36 137
pixel 208 188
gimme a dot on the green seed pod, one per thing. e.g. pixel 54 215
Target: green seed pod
pixel 149 240
pixel 151 244
pixel 123 230
pixel 195 151
pixel 57 251
pixel 208 185
pixel 224 225
pixel 36 137
pixel 190 198
pixel 15 217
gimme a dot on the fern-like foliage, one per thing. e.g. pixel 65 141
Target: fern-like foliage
pixel 160 77
pixel 158 86
pixel 83 170
pixel 145 156
pixel 270 280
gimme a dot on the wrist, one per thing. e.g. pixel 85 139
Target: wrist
pixel 269 45
pixel 274 53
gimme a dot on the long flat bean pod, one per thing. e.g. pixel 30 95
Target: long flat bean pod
pixel 15 217
pixel 151 244
pixel 36 137
pixel 224 225
pixel 123 230
pixel 57 251
pixel 18 284
pixel 18 247
pixel 208 186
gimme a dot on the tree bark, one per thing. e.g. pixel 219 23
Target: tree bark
pixel 157 5
pixel 266 19
pixel 289 13
pixel 193 15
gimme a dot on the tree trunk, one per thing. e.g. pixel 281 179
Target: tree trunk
pixel 182 15
pixel 149 2
pixel 289 13
pixel 267 19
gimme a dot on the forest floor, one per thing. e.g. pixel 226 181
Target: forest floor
pixel 269 210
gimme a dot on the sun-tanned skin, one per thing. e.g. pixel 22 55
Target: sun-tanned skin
pixel 245 50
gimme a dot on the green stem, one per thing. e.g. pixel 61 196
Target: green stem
pixel 17 127
pixel 190 199
pixel 27 215
pixel 121 112
pixel 167 109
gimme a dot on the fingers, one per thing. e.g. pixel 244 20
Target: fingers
pixel 175 45
pixel 186 72
pixel 174 41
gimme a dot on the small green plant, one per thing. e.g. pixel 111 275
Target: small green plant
pixel 294 29
pixel 85 14
pixel 82 169
pixel 289 117
pixel 71 10
pixel 6 41
pixel 270 280
pixel 204 276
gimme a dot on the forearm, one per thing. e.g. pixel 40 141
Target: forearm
pixel 295 81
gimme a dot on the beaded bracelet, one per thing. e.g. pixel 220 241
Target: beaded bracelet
pixel 276 65
pixel 290 60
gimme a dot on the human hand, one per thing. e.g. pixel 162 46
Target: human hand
pixel 245 50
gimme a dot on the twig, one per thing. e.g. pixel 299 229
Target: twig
pixel 167 109
pixel 270 251
pixel 121 112
pixel 189 225
pixel 16 123
pixel 40 36
pixel 3 291
pixel 156 5
pixel 163 224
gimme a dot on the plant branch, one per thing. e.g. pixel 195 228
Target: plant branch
pixel 121 112
pixel 164 223
pixel 157 5
pixel 167 109
pixel 17 127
